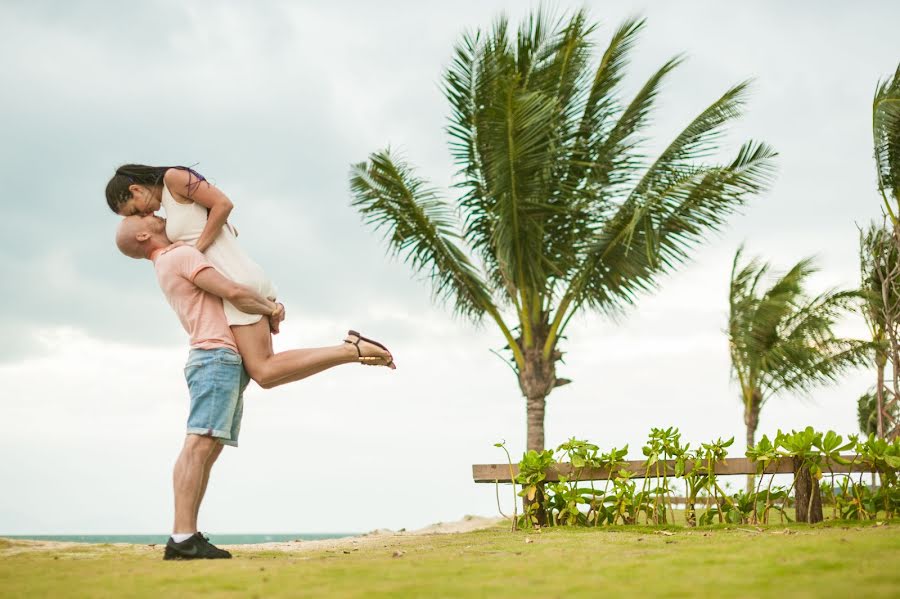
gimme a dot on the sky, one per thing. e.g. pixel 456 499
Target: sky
pixel 273 101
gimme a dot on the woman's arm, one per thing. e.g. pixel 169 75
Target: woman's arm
pixel 185 187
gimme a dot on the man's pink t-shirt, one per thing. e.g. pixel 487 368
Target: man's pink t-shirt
pixel 201 313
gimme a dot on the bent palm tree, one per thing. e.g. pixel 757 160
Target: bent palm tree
pixel 781 339
pixel 880 248
pixel 886 136
pixel 880 270
pixel 560 210
pixel 867 413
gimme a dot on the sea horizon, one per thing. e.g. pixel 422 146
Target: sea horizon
pixel 156 539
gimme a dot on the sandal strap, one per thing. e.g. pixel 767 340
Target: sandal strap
pixel 368 360
pixel 355 343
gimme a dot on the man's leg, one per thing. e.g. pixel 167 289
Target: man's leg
pixel 215 379
pixel 209 464
pixel 189 480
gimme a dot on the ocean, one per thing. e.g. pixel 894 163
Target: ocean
pixel 217 539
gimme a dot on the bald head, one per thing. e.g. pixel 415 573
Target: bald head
pixel 138 236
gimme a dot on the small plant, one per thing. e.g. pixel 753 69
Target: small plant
pixel 581 455
pixel 830 446
pixel 574 500
pixel 764 454
pixel 710 455
pixel 515 516
pixel 884 458
pixel 532 474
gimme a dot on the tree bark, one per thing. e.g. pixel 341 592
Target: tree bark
pixel 751 420
pixel 535 441
pixel 806 486
pixel 535 416
pixel 879 394
pixel 536 380
pixel 889 305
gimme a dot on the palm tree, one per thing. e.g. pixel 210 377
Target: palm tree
pixel 867 413
pixel 886 135
pixel 559 209
pixel 880 274
pixel 782 340
pixel 879 249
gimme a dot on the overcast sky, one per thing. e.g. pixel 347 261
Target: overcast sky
pixel 273 101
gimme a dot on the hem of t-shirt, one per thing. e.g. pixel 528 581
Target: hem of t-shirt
pixel 197 270
pixel 215 345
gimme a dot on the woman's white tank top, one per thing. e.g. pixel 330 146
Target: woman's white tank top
pixel 185 222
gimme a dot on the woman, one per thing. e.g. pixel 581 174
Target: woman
pixel 197 214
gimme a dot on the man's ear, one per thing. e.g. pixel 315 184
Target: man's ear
pixel 142 236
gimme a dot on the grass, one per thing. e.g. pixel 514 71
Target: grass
pixel 837 559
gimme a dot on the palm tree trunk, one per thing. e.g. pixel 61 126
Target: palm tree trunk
pixel 751 420
pixel 535 440
pixel 535 433
pixel 536 380
pixel 879 395
pixel 894 352
pixel 895 372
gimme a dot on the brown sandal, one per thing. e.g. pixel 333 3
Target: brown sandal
pixel 370 360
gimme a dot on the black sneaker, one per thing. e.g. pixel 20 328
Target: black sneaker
pixel 195 547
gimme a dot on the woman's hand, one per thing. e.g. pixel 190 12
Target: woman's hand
pixel 276 318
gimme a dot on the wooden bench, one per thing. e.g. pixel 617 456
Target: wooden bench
pixel 500 473
pixel 804 484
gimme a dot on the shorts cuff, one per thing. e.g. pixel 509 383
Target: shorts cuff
pixel 222 437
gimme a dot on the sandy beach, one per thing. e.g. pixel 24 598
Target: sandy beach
pixel 382 536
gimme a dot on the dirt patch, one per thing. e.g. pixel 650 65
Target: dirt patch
pixel 382 535
pixel 375 537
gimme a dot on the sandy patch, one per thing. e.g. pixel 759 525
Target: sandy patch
pixel 379 536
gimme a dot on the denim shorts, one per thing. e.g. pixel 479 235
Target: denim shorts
pixel 216 379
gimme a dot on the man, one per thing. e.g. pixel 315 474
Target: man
pixel 215 374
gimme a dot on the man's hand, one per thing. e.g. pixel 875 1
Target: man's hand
pixel 276 317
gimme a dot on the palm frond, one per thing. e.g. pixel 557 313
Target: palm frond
pixel 461 80
pixel 768 313
pixel 879 269
pixel 697 140
pixel 646 240
pixel 867 413
pixel 591 117
pixel 420 227
pixel 601 100
pixel 801 370
pixel 886 134
pixel 611 156
pixel 780 338
pixel 673 185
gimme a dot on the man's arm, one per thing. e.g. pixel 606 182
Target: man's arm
pixel 244 298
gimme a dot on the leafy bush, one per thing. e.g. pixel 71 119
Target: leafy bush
pixel 576 499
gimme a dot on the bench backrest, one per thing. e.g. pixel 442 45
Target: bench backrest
pixel 490 473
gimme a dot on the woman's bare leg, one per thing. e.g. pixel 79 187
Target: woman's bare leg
pixel 269 369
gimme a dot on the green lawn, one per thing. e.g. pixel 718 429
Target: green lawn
pixel 840 559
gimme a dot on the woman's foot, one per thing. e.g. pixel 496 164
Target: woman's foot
pixel 369 351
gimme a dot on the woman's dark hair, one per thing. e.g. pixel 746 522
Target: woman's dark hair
pixel 117 192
